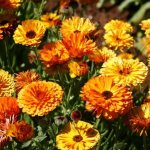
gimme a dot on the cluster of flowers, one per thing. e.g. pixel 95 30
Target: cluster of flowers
pixel 108 95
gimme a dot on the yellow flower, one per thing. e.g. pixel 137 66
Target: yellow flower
pixel 10 4
pixel 78 45
pixel 126 72
pixel 74 24
pixel 29 33
pixel 118 25
pixel 138 119
pixel 7 84
pixel 1 34
pixel 40 98
pixel 118 39
pixel 51 19
pixel 77 136
pixel 106 98
pixel 145 25
pixel 77 68
pixel 24 78
pixel 53 53
pixel 102 55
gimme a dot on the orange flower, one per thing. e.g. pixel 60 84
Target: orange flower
pixel 128 72
pixel 29 33
pixel 40 98
pixel 77 68
pixel 78 45
pixel 106 98
pixel 138 119
pixel 74 24
pixel 8 108
pixel 24 78
pixel 10 4
pixel 102 55
pixel 20 130
pixel 145 25
pixel 1 34
pixel 51 19
pixel 7 84
pixel 53 53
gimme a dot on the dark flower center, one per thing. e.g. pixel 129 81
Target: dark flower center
pixel 107 94
pixel 31 34
pixel 125 71
pixel 77 138
pixel 91 132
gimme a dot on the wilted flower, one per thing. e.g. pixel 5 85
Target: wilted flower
pixel 7 84
pixel 79 135
pixel 106 98
pixel 102 55
pixel 77 68
pixel 126 72
pixel 138 119
pixel 76 115
pixel 60 120
pixel 51 19
pixel 53 53
pixel 24 78
pixel 29 33
pixel 74 24
pixel 40 98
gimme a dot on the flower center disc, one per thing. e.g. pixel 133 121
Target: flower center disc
pixel 107 94
pixel 31 34
pixel 77 138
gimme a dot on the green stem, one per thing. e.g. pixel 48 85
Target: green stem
pixel 144 142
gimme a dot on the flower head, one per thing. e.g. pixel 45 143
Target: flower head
pixel 29 33
pixel 106 98
pixel 78 45
pixel 53 53
pixel 126 56
pixel 118 25
pixel 118 39
pixel 145 25
pixel 74 24
pixel 24 78
pixel 7 84
pixel 1 34
pixel 126 72
pixel 51 19
pixel 77 68
pixel 8 108
pixel 80 135
pixel 138 119
pixel 20 130
pixel 102 55
pixel 40 98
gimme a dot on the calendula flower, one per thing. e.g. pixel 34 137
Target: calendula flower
pixel 24 78
pixel 145 25
pixel 146 45
pixel 77 68
pixel 118 39
pixel 126 72
pixel 51 19
pixel 125 56
pixel 78 45
pixel 106 98
pixel 74 24
pixel 7 84
pixel 54 53
pixel 118 25
pixel 10 4
pixel 80 135
pixel 102 55
pixel 29 33
pixel 8 108
pixel 20 130
pixel 40 98
pixel 138 119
